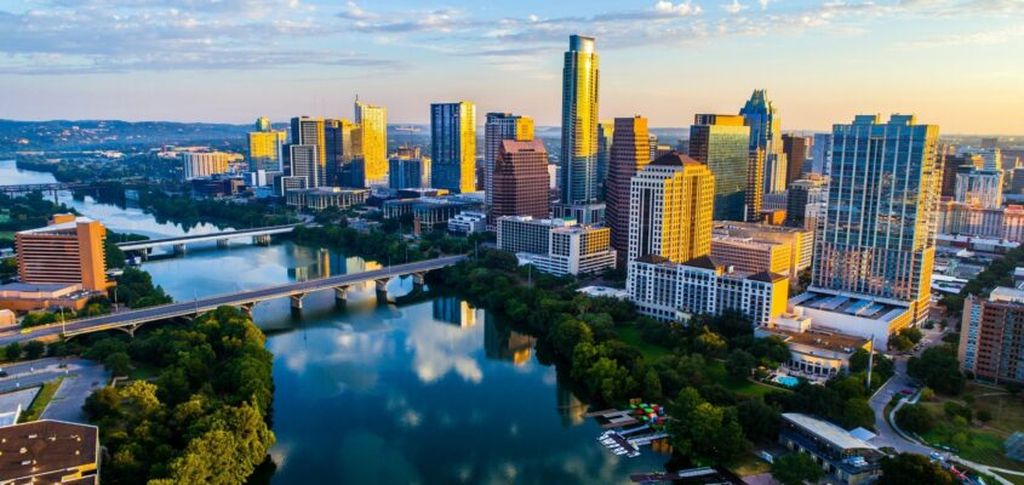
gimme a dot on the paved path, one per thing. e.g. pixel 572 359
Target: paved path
pixel 86 377
pixel 10 401
pixel 34 373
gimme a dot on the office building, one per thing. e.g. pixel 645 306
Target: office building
pixel 991 347
pixel 630 154
pixel 520 180
pixel 962 219
pixel 605 134
pixel 799 241
pixel 722 143
pixel 670 291
pixel 320 198
pixel 981 188
pixel 557 246
pixel 453 146
pixel 50 452
pixel 68 251
pixel 266 147
pixel 305 164
pixel 409 169
pixel 498 128
pixel 821 153
pixel 343 148
pixel 204 164
pixel 755 186
pixel 751 255
pixel 843 455
pixel 796 149
pixel 430 212
pixel 373 141
pixel 871 255
pixel 468 222
pixel 670 209
pixel 579 121
pixel 953 164
pixel 309 131
pixel 766 134
pixel 800 193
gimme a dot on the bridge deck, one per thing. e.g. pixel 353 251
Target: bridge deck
pixel 256 231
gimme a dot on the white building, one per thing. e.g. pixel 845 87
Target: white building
pixel 556 246
pixel 205 164
pixel 468 222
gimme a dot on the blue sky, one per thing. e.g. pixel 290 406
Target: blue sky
pixel 956 63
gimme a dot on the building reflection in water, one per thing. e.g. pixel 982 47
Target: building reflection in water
pixel 456 311
pixel 570 407
pixel 502 343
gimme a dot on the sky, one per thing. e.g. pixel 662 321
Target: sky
pixel 955 63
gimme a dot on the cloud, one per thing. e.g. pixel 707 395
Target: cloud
pixel 735 7
pixel 986 37
pixel 681 9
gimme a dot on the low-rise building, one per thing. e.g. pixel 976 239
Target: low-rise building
pixel 320 198
pixel 27 297
pixel 799 240
pixel 854 315
pixel 814 352
pixel 669 291
pixel 48 451
pixel 428 212
pixel 468 222
pixel 749 254
pixel 844 457
pixel 557 246
pixel 7 318
pixel 991 343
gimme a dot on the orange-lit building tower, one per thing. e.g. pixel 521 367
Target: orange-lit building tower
pixel 69 250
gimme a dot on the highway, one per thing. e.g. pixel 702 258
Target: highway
pixel 256 231
pixel 187 308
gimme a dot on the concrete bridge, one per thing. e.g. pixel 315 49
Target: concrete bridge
pixel 260 235
pixel 49 187
pixel 129 321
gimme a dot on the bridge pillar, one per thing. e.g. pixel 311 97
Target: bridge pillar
pixel 381 287
pixel 261 240
pixel 247 308
pixel 179 249
pixel 222 243
pixel 341 296
pixel 297 301
pixel 418 279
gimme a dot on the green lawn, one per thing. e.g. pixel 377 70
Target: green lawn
pixel 41 401
pixel 750 388
pixel 652 352
pixel 749 464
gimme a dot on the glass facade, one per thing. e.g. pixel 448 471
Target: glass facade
pixel 453 146
pixel 579 182
pixel 766 134
pixel 722 143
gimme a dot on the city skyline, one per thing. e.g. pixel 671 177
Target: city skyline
pixel 189 62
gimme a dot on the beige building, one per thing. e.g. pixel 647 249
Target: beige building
pixel 748 254
pixel 799 241
pixel 69 251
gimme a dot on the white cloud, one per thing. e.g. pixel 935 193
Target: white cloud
pixel 681 9
pixel 734 7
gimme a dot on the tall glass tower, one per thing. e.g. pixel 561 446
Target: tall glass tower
pixel 373 131
pixel 766 134
pixel 578 160
pixel 722 143
pixel 877 239
pixel 453 146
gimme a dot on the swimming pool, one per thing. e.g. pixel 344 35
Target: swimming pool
pixel 788 381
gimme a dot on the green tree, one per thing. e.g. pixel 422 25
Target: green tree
pixel 939 369
pixel 796 468
pixel 915 418
pixel 702 431
pixel 984 415
pixel 34 350
pixel 566 334
pixel 118 363
pixel 911 469
pixel 12 351
pixel 739 364
pixel 760 421
pixel 900 342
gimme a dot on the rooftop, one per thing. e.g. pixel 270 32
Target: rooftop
pixel 36 287
pixel 63 226
pixel 834 435
pixel 835 342
pixel 673 159
pixel 46 447
pixel 849 305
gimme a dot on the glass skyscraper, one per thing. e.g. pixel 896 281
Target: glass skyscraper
pixel 877 239
pixel 373 133
pixel 453 146
pixel 579 122
pixel 722 143
pixel 500 127
pixel 766 134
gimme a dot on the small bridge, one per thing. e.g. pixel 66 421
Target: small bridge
pixel 259 235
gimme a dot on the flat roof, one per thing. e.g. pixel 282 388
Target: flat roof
pixel 853 305
pixel 57 227
pixel 36 287
pixel 833 341
pixel 46 446
pixel 836 436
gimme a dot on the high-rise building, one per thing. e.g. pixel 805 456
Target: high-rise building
pixel 630 154
pixel 343 147
pixel 453 146
pixel 951 164
pixel 409 170
pixel 821 153
pixel 990 343
pixel 204 164
pixel 670 209
pixel 796 149
pixel 68 251
pixel 766 134
pixel 877 240
pixel 266 147
pixel 801 192
pixel 579 122
pixel 556 246
pixel 981 188
pixel 722 143
pixel 305 164
pixel 605 134
pixel 521 180
pixel 373 134
pixel 310 131
pixel 500 127
pixel 755 186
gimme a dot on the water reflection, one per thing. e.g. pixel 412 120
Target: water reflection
pixel 503 343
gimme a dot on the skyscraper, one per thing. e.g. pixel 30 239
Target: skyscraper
pixel 722 143
pixel 265 146
pixel 69 251
pixel 605 134
pixel 630 154
pixel 497 128
pixel 755 185
pixel 310 131
pixel 878 236
pixel 521 180
pixel 373 133
pixel 766 134
pixel 453 146
pixel 670 209
pixel 579 122
pixel 796 148
pixel 343 146
pixel 800 193
pixel 305 164
pixel 821 153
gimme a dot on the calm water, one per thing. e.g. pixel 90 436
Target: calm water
pixel 433 392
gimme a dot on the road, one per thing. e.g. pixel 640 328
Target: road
pixel 172 310
pixel 33 373
pixel 85 377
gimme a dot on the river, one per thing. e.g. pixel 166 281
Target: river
pixel 431 392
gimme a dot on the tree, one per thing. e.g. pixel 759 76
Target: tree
pixel 565 335
pixel 760 422
pixel 857 413
pixel 939 369
pixel 118 363
pixel 913 334
pixel 796 468
pixel 34 349
pixel 915 418
pixel 927 394
pixel 706 433
pixel 900 342
pixel 739 364
pixel 12 351
pixel 911 469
